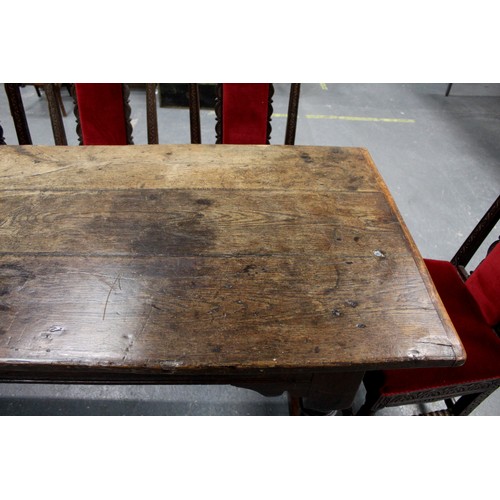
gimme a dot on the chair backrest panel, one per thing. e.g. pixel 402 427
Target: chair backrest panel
pixel 484 285
pixel 101 110
pixel 245 113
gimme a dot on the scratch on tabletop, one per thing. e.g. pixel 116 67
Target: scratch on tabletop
pixel 117 280
pixel 66 167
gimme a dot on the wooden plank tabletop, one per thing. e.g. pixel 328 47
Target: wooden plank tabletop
pixel 192 259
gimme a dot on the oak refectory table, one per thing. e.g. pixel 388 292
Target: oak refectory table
pixel 275 268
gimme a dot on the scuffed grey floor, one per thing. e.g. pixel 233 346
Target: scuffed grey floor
pixel 440 157
pixel 62 399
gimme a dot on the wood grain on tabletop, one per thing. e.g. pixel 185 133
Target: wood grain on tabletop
pixel 187 257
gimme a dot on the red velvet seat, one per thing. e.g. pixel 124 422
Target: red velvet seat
pixel 474 308
pixel 481 343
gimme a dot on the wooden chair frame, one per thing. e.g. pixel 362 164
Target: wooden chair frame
pixel 13 91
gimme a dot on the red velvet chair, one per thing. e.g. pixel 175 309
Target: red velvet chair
pixel 473 304
pixel 243 113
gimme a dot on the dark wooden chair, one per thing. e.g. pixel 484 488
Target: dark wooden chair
pixel 473 304
pixel 243 113
pixel 17 110
pixel 102 111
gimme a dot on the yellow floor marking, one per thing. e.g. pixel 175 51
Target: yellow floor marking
pixel 360 118
pixel 350 118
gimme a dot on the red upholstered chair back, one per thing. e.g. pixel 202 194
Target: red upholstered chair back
pixel 484 285
pixel 244 112
pixel 101 110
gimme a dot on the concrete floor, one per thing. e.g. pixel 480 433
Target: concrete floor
pixel 438 155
